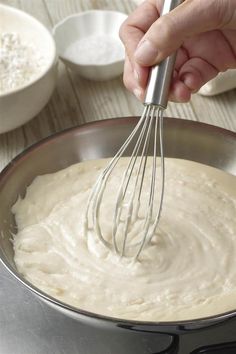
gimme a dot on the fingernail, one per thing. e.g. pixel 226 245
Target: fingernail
pixel 188 80
pixel 146 52
pixel 138 92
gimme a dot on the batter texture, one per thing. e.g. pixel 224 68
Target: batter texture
pixel 188 270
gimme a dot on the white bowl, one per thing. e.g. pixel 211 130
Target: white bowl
pixel 83 27
pixel 19 105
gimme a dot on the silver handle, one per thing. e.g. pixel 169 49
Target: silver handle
pixel 160 75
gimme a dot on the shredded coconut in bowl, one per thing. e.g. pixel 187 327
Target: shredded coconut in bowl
pixel 20 62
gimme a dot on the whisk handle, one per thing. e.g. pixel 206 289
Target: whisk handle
pixel 160 75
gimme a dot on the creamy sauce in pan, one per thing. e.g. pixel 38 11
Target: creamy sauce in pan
pixel 188 271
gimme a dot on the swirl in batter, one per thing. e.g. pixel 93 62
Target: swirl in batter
pixel 188 270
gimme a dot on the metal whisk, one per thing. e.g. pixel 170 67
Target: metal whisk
pixel 130 191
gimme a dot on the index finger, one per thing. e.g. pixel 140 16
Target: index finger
pixel 137 24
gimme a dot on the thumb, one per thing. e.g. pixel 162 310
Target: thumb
pixel 168 33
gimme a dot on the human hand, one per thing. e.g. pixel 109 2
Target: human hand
pixel 203 32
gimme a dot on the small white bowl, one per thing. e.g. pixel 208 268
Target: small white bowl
pixel 19 105
pixel 83 27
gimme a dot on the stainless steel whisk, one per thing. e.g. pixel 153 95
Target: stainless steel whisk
pixel 129 197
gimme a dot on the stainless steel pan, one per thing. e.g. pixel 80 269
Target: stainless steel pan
pixel 182 139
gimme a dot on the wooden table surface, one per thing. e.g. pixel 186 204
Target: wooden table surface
pixel 76 100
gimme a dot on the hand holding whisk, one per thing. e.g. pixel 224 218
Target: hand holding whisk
pixel 136 187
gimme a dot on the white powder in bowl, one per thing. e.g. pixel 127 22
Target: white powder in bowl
pixel 95 49
pixel 20 62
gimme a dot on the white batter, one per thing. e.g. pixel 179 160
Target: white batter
pixel 188 271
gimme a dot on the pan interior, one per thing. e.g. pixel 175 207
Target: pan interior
pixel 183 139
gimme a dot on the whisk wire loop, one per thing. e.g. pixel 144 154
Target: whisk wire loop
pixel 145 132
pixel 95 197
pixel 128 199
pixel 149 228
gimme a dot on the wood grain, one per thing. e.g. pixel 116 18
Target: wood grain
pixel 77 101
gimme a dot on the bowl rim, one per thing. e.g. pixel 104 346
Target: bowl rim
pixel 50 63
pixel 83 128
pixel 67 19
